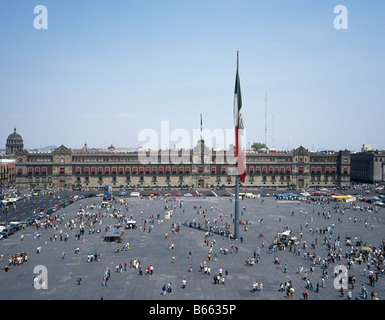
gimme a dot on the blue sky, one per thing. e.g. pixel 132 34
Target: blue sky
pixel 104 71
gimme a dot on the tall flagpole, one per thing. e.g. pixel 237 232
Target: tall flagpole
pixel 236 213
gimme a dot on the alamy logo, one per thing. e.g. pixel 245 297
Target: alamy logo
pixel 41 280
pixel 341 280
pixel 41 20
pixel 341 21
pixel 159 149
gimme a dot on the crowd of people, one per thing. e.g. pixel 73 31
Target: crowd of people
pixel 17 259
pixel 371 257
pixel 316 261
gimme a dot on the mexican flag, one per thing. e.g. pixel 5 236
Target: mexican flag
pixel 240 138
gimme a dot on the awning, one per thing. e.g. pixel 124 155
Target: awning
pixel 113 234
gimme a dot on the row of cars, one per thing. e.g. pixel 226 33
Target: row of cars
pixel 15 225
pixel 376 200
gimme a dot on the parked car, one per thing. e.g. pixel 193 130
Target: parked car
pixel 8 231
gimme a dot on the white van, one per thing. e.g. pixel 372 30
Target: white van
pixel 134 194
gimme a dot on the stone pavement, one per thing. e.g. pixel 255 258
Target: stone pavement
pixel 152 248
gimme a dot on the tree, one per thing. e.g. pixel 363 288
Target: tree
pixel 257 146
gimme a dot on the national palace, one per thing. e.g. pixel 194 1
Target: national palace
pixel 199 167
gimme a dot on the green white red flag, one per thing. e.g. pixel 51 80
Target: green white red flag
pixel 240 138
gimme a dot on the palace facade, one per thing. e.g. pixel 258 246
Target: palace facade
pixel 199 167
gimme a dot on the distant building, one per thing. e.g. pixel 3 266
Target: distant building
pixel 368 166
pixel 366 147
pixel 7 172
pixel 198 167
pixel 14 143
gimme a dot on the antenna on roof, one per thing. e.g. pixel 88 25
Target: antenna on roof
pixel 273 133
pixel 266 120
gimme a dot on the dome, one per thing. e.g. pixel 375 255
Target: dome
pixel 14 143
pixel 15 136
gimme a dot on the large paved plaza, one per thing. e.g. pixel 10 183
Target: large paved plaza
pixel 188 247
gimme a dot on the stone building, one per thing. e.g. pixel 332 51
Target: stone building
pixel 368 166
pixel 199 167
pixel 7 172
pixel 14 143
